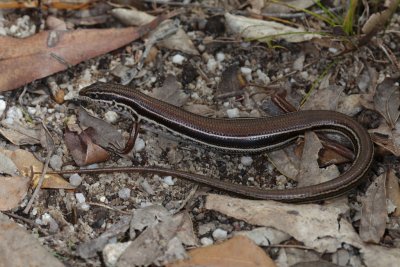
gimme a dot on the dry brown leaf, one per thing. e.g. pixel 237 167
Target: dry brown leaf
pixel 91 248
pixel 393 190
pixel 377 20
pixel 256 6
pixel 238 251
pixel 328 157
pixel 171 92
pixel 103 133
pixel 178 41
pixel 13 189
pixel 326 98
pixel 384 137
pixel 131 17
pixel 231 84
pixel 387 100
pixel 265 31
pixel 294 256
pixel 374 256
pixel 152 245
pixel 265 236
pixel 151 215
pixel 61 4
pixel 7 166
pixel 285 161
pixel 25 60
pixel 19 247
pixel 83 150
pixel 374 212
pixel 26 163
pixel 19 134
pixel 315 264
pixel 310 173
pixel 286 6
pixel 317 226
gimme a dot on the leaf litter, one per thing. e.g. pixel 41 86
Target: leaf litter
pixel 310 232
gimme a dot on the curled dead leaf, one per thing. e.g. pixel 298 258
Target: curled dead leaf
pixel 83 150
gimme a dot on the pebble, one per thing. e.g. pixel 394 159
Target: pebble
pixel 304 75
pixel 84 206
pixel 201 47
pixel 3 106
pixel 46 218
pixel 178 59
pixel 124 193
pixel 211 65
pixel 333 50
pixel 168 180
pixel 56 162
pixel 281 180
pixel 145 204
pixel 205 241
pixel 233 113
pixel 341 257
pixel 102 199
pixel 111 116
pixel 263 77
pixel 220 57
pixel 245 71
pixel 31 111
pixel 139 145
pixel 75 179
pixel 112 252
pixel 219 234
pixel 246 160
pixel 34 212
pixel 13 114
pixel 147 187
pixel 298 64
pixel 80 198
pixel 205 228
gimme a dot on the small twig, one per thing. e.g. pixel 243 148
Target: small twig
pixel 201 72
pixel 22 95
pixel 300 14
pixel 188 198
pixel 221 10
pixel 61 60
pixel 40 182
pixel 290 246
pixel 44 171
pixel 389 54
pixel 109 208
pixel 27 221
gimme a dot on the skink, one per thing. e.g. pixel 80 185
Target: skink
pixel 243 135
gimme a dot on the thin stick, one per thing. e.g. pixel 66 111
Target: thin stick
pixel 109 208
pixel 44 171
